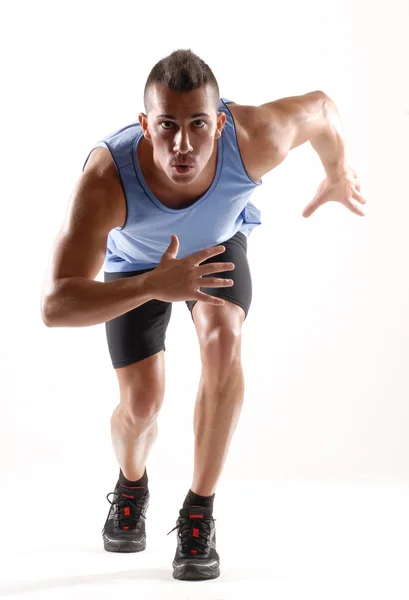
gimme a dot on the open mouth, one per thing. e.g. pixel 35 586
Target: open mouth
pixel 182 168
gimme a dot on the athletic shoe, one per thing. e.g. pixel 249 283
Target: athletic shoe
pixel 196 556
pixel 124 529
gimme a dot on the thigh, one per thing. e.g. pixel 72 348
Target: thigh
pixel 139 333
pixel 241 292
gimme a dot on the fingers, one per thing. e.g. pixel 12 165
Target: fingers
pixel 215 268
pixel 356 181
pixel 309 209
pixel 202 255
pixel 212 282
pixel 356 193
pixel 356 210
pixel 353 207
pixel 209 299
pixel 358 196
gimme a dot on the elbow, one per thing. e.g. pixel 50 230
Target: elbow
pixel 48 311
pixel 321 97
pixel 48 322
pixel 322 94
pixel 326 101
pixel 50 303
pixel 46 315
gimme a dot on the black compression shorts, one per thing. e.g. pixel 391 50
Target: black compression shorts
pixel 141 332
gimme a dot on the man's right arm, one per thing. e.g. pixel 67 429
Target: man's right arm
pixel 70 296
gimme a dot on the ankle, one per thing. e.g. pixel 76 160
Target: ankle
pixel 133 481
pixel 193 499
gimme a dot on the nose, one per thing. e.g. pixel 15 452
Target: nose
pixel 182 144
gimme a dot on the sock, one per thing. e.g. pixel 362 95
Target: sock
pixel 193 499
pixel 143 481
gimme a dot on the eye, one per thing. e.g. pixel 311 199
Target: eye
pixel 171 123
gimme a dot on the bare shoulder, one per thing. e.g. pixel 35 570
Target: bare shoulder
pixel 101 161
pixel 246 120
pixel 268 132
pixel 96 206
pixel 101 167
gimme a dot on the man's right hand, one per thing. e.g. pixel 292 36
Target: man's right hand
pixel 178 279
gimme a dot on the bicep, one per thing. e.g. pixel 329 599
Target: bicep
pixel 289 122
pixel 80 247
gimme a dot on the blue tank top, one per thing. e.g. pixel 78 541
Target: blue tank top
pixel 214 218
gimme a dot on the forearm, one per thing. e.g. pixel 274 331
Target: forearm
pixel 79 302
pixel 330 145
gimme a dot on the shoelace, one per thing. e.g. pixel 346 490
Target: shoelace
pixel 124 506
pixel 194 534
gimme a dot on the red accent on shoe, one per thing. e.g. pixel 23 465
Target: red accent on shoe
pixel 195 532
pixel 126 496
pixel 193 551
pixel 126 527
pixel 196 516
pixel 127 511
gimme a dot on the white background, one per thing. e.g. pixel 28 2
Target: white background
pixel 326 343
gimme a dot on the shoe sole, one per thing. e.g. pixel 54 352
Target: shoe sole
pixel 112 545
pixel 195 571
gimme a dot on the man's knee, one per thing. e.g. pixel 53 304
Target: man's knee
pixel 220 334
pixel 142 388
pixel 220 347
pixel 209 318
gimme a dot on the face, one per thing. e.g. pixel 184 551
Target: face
pixel 183 136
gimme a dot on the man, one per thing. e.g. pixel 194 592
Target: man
pixel 184 174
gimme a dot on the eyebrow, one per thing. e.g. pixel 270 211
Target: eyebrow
pixel 192 117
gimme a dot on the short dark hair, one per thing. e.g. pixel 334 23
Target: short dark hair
pixel 181 71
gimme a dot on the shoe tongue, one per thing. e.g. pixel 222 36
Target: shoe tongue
pixel 195 512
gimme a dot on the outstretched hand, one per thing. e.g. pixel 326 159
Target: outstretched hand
pixel 345 189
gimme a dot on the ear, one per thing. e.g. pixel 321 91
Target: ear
pixel 143 122
pixel 221 120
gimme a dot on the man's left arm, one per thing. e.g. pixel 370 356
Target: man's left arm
pixel 330 144
pixel 289 122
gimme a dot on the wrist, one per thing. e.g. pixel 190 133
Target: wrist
pixel 336 173
pixel 149 284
